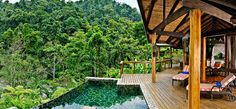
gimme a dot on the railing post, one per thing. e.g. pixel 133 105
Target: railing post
pixel 134 68
pixel 121 68
pixel 144 67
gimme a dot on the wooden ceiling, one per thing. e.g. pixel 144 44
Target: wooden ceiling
pixel 169 19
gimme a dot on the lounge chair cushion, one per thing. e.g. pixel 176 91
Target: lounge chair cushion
pixel 180 76
pixel 207 87
pixel 228 79
pixel 224 83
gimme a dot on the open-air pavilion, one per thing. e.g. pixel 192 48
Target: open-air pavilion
pixel 169 23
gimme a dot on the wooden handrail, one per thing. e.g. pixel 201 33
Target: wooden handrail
pixel 122 63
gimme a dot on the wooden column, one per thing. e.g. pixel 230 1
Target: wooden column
pixel 232 52
pixel 194 61
pixel 203 59
pixel 154 54
pixel 226 52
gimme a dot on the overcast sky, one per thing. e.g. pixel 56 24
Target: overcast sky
pixel 132 3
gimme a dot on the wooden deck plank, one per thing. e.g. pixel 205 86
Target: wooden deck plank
pixel 162 95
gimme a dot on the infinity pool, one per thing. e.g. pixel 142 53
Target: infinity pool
pixel 102 95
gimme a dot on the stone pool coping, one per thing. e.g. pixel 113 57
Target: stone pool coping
pixel 100 79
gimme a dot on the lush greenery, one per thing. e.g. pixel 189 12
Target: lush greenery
pixel 48 47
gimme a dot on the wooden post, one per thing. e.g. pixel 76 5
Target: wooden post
pixel 153 63
pixel 203 59
pixel 195 56
pixel 226 53
pixel 171 57
pixel 154 47
pixel 134 68
pixel 232 52
pixel 144 67
pixel 121 68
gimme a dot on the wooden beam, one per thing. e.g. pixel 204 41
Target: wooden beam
pixel 208 8
pixel 228 3
pixel 171 34
pixel 219 25
pixel 203 59
pixel 175 40
pixel 204 21
pixel 163 16
pixel 158 37
pixel 183 21
pixel 207 25
pixel 164 10
pixel 214 24
pixel 171 12
pixel 171 18
pixel 224 31
pixel 173 7
pixel 224 24
pixel 178 26
pixel 159 53
pixel 150 12
pixel 140 3
pixel 233 20
pixel 195 56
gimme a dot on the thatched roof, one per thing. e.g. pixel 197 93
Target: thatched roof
pixel 218 17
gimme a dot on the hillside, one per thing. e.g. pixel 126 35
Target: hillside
pixel 49 46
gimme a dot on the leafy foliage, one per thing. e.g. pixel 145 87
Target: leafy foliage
pixel 49 46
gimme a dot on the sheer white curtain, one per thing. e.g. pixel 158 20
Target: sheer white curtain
pixel 218 48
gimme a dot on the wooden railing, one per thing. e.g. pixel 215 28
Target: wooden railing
pixel 122 64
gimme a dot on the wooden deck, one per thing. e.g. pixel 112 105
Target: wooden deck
pixel 162 95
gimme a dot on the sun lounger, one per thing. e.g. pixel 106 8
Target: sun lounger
pixel 181 76
pixel 222 87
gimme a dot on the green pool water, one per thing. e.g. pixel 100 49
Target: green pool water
pixel 102 95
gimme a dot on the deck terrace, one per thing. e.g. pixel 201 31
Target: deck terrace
pixel 162 95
